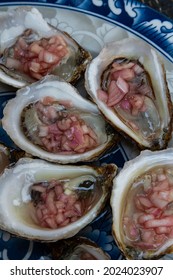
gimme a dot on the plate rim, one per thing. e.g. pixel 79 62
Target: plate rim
pixel 84 11
pixel 141 20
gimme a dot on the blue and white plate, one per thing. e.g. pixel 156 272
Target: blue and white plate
pixel 93 23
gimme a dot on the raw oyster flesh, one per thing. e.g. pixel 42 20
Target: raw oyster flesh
pixel 142 205
pixel 77 248
pixel 51 120
pixel 127 82
pixel 30 49
pixel 48 202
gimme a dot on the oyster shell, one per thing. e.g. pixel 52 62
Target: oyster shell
pixel 9 156
pixel 4 158
pixel 30 49
pixel 48 202
pixel 77 248
pixel 142 205
pixel 50 120
pixel 127 82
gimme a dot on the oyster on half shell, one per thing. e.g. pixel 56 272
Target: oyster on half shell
pixel 30 49
pixel 142 206
pixel 51 120
pixel 48 202
pixel 127 82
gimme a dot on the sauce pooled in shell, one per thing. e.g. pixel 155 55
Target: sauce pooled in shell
pixel 148 216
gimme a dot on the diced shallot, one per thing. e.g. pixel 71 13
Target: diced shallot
pixel 62 132
pixel 115 95
pixel 165 222
pixel 102 95
pixel 55 208
pixel 123 85
pixel 38 58
pixel 153 211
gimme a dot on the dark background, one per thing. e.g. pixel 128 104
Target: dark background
pixel 163 6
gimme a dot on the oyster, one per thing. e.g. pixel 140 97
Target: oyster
pixel 142 205
pixel 30 49
pixel 127 82
pixel 77 248
pixel 50 120
pixel 47 202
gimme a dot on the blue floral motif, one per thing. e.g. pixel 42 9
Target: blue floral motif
pixel 13 248
pixel 100 231
pixel 131 14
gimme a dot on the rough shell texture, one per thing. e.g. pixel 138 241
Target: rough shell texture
pixel 15 194
pixel 9 156
pixel 4 157
pixel 77 248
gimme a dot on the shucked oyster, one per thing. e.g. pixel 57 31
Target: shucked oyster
pixel 30 49
pixel 48 202
pixel 142 205
pixel 77 248
pixel 127 81
pixel 52 121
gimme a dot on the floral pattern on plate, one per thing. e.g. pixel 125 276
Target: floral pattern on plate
pixel 101 21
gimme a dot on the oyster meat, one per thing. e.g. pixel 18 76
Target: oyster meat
pixel 51 120
pixel 48 202
pixel 142 205
pixel 77 248
pixel 30 49
pixel 127 82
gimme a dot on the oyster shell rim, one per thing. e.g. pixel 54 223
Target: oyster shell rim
pixel 132 167
pixel 72 242
pixel 91 88
pixel 52 235
pixel 20 141
pixel 85 55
